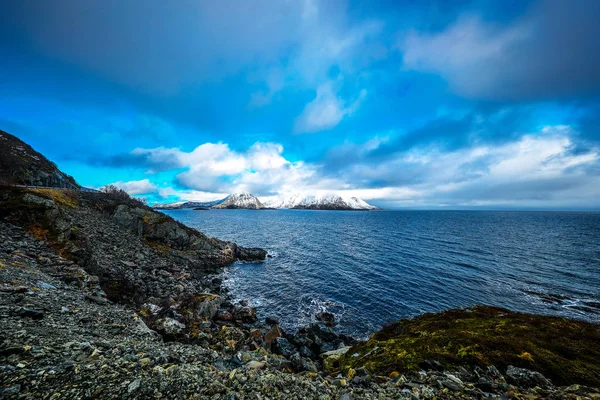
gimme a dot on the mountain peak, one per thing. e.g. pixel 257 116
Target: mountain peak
pixel 240 200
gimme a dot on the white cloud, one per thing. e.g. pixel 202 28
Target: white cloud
pixel 542 169
pixel 327 110
pixel 143 186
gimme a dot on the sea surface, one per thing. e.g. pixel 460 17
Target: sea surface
pixel 372 268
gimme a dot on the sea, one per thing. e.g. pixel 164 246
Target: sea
pixel 372 268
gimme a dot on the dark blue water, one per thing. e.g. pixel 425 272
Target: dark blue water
pixel 371 268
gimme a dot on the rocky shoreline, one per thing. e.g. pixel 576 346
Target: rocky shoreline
pixel 103 297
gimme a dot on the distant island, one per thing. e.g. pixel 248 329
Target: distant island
pixel 245 200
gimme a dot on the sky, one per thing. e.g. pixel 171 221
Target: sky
pixel 474 104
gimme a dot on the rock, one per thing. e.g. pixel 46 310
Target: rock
pixel 96 299
pixel 327 318
pixel 31 313
pixel 255 365
pixel 133 386
pixel 207 305
pixel 44 285
pixel 432 365
pixel 246 315
pixel 272 320
pixel 306 352
pixel 331 358
pixel 170 326
pixel 273 334
pixel 282 346
pixel 224 316
pixel 526 378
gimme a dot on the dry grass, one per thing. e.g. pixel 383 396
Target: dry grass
pixel 67 198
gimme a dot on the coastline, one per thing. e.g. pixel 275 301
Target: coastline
pixel 67 280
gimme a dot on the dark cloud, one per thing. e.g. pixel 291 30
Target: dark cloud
pixel 551 52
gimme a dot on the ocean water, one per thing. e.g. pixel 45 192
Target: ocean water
pixel 372 268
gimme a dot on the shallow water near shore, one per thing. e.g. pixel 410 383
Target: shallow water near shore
pixel 372 268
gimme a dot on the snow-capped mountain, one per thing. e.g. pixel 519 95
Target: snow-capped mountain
pixel 247 200
pixel 318 202
pixel 288 201
pixel 333 202
pixel 240 200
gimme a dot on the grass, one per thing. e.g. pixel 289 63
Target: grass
pixel 67 198
pixel 566 351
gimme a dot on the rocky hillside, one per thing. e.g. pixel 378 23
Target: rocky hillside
pixel 120 240
pixel 20 164
pixel 240 200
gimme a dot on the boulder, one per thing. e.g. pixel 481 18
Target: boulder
pixel 274 333
pixel 526 378
pixel 327 318
pixel 283 347
pixel 246 315
pixel 169 326
pixel 207 305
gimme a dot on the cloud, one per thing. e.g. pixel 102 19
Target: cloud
pixel 542 169
pixel 143 186
pixel 326 111
pixel 551 52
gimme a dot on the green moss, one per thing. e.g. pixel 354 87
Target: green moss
pixel 566 351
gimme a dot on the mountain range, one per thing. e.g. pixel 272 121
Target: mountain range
pixel 245 200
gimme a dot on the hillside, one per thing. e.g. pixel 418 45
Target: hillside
pixel 20 164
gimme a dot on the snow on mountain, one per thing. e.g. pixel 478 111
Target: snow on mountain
pixel 169 206
pixel 329 201
pixel 241 200
pixel 333 202
pixel 287 201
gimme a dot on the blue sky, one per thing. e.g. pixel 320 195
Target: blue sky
pixel 406 104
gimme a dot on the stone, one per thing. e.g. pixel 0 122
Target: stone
pixel 282 346
pixel 255 365
pixel 245 315
pixel 526 378
pixel 272 320
pixel 133 386
pixel 31 313
pixel 170 326
pixel 327 318
pixel 224 316
pixel 273 334
pixel 44 285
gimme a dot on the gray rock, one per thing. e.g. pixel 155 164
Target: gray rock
pixel 526 378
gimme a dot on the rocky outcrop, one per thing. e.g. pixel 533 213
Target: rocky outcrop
pixel 136 252
pixel 20 164
pixel 559 350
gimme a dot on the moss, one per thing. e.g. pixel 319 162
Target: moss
pixel 566 351
pixel 67 198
